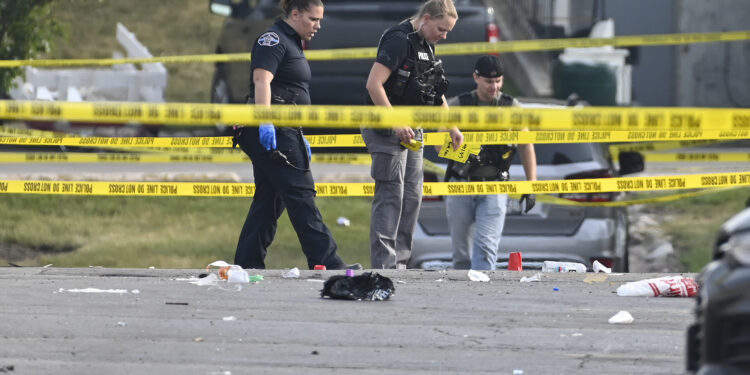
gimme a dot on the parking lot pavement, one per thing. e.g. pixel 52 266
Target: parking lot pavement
pixel 146 321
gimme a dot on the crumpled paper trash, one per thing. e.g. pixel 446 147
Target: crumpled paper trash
pixel 527 279
pixel 622 317
pixel 291 274
pixel 598 267
pixel 667 286
pixel 478 276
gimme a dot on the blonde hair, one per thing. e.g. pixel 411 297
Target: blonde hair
pixel 437 9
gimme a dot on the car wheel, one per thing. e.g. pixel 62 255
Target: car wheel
pixel 220 95
pixel 622 239
pixel 219 88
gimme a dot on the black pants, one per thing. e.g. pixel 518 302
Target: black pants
pixel 279 186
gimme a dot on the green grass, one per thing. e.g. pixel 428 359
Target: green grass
pixel 165 27
pixel 694 222
pixel 171 232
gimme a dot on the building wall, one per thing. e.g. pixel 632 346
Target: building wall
pixel 653 71
pixel 713 74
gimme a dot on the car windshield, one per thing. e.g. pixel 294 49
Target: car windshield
pixel 559 153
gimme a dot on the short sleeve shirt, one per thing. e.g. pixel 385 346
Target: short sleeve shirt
pixel 393 47
pixel 279 51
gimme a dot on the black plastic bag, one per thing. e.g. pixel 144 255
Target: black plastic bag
pixel 369 286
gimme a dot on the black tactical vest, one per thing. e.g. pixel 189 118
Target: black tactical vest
pixel 419 81
pixel 493 161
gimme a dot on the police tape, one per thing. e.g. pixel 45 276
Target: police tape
pixel 696 181
pixel 443 49
pixel 222 145
pixel 551 199
pixel 80 157
pixel 719 157
pixel 660 146
pixel 649 121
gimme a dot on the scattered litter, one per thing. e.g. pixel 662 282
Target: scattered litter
pixel 369 286
pixel 668 286
pixel 316 280
pixel 135 291
pixel 198 339
pixel 48 265
pixel 228 318
pixel 343 221
pixel 594 278
pixel 439 280
pixel 291 274
pixel 622 317
pixel 527 279
pixel 93 290
pixel 255 278
pixel 176 303
pixel 552 266
pixel 577 334
pixel 556 289
pixel 152 268
pixel 478 276
pixel 121 324
pixel 517 372
pixel 598 267
pixel 400 282
pixel 211 279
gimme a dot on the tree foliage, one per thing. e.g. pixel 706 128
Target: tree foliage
pixel 26 27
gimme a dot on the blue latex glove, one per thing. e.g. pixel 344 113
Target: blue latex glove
pixel 267 136
pixel 307 146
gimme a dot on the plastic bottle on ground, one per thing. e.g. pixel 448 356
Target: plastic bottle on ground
pixel 552 266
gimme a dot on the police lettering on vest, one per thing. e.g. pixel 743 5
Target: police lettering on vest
pixel 418 77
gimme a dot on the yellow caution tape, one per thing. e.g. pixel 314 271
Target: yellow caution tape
pixel 221 145
pixel 728 157
pixel 660 146
pixel 80 157
pixel 442 49
pixel 550 199
pixel 640 122
pixel 696 181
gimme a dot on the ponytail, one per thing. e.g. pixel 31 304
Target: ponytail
pixel 437 9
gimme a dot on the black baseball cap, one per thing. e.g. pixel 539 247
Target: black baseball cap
pixel 489 66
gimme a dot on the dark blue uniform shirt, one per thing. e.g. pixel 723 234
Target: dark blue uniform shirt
pixel 279 50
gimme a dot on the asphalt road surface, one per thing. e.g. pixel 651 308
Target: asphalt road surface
pixel 156 322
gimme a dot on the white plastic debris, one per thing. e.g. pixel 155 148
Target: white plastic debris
pixel 93 290
pixel 527 279
pixel 622 317
pixel 211 279
pixel 668 286
pixel 598 267
pixel 343 221
pixel 229 318
pixel 478 276
pixel 517 372
pixel 291 274
pixel 237 275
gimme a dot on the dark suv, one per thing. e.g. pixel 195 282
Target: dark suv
pixel 346 24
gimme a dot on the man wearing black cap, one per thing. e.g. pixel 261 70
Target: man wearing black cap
pixel 486 213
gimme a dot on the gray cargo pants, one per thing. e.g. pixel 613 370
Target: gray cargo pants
pixel 397 172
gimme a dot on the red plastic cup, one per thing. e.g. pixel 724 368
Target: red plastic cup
pixel 319 267
pixel 515 262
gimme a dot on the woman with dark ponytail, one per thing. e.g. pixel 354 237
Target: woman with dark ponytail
pixel 281 156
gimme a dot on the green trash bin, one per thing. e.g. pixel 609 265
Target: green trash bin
pixel 596 84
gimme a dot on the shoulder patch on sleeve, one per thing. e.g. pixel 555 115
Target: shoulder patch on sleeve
pixel 269 39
